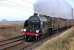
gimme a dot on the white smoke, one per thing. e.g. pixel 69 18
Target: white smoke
pixel 54 8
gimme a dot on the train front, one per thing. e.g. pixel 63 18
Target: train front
pixel 31 29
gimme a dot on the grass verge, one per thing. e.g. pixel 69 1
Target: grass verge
pixel 64 41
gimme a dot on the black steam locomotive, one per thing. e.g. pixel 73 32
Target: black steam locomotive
pixel 38 26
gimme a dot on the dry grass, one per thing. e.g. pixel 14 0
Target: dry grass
pixel 10 30
pixel 65 41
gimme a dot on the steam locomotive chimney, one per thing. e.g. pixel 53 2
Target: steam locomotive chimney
pixel 35 14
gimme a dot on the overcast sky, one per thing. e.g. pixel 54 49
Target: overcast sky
pixel 71 2
pixel 18 9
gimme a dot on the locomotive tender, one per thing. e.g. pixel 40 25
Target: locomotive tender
pixel 38 26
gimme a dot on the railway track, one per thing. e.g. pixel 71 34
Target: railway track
pixel 17 46
pixel 4 44
pixel 38 43
pixel 17 43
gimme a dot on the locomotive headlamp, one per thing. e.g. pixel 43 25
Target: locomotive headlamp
pixel 37 31
pixel 24 29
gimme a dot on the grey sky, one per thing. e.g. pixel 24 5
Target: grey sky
pixel 71 2
pixel 18 9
